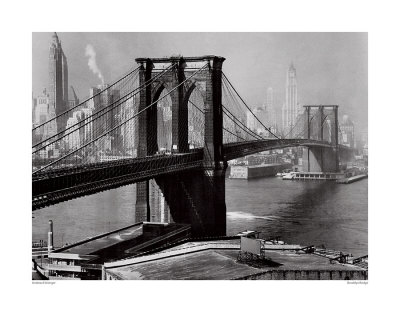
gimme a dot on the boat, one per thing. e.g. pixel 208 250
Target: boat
pixel 281 174
pixel 289 175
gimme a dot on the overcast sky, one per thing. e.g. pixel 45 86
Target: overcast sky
pixel 332 68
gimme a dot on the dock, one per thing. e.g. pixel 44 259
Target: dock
pixel 352 179
pixel 257 171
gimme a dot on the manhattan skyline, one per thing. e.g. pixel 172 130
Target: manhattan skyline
pixel 331 67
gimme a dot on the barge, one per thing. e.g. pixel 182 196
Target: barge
pixel 257 171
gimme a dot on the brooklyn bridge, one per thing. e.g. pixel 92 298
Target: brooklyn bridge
pixel 176 122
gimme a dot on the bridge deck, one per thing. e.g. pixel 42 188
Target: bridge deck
pixel 52 186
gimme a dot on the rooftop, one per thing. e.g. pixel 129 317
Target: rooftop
pixel 174 58
pixel 94 244
pixel 125 242
pixel 217 260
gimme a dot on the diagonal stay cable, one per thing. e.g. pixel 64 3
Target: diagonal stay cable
pixel 299 134
pixel 222 127
pixel 227 130
pixel 225 77
pixel 97 112
pixel 240 124
pixel 133 93
pixel 290 131
pixel 229 86
pixel 122 123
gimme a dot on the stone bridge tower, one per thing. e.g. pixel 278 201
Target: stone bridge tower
pixel 185 193
pixel 321 159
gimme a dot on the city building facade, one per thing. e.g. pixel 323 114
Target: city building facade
pixel 43 111
pixel 58 80
pixel 347 132
pixel 290 108
pixel 102 97
pixel 270 112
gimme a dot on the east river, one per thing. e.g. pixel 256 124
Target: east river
pixel 307 213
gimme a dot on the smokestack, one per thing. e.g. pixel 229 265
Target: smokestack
pixel 50 237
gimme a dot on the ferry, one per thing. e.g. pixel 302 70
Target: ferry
pixel 289 175
pixel 284 172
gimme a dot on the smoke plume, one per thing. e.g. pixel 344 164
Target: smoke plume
pixel 89 52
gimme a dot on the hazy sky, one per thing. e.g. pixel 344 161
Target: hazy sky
pixel 332 68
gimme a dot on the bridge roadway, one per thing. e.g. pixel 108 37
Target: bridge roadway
pixel 53 186
pixel 240 149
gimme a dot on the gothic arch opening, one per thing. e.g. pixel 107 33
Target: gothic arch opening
pixel 163 111
pixel 194 101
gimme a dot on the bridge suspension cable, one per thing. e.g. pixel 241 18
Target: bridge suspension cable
pixel 227 130
pixel 234 134
pixel 119 125
pixel 235 122
pixel 300 133
pixel 85 101
pixel 98 114
pixel 231 116
pixel 224 77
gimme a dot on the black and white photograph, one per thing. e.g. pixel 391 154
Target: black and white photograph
pixel 252 164
pixel 220 152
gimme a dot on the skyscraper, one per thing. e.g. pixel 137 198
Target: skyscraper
pixel 58 80
pixel 290 108
pixel 103 97
pixel 270 111
pixel 347 136
pixel 43 112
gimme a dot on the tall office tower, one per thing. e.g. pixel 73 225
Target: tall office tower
pixel 271 113
pixel 58 81
pixel 251 120
pixel 75 138
pixel 347 132
pixel 108 118
pixel 129 131
pixel 42 113
pixel 290 108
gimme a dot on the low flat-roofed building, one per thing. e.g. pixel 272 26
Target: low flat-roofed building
pixel 84 259
pixel 73 266
pixel 217 260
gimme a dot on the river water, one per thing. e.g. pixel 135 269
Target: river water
pixel 300 212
